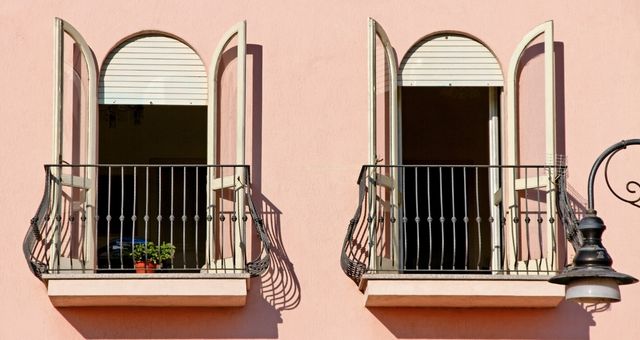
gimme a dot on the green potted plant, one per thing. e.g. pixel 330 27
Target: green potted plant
pixel 148 256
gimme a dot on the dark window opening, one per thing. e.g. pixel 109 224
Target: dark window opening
pixel 446 126
pixel 148 134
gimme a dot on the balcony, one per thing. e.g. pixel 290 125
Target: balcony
pixel 93 218
pixel 458 235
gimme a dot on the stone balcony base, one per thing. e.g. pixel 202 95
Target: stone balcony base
pixel 460 291
pixel 149 290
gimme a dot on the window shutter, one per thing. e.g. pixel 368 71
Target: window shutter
pixel 153 69
pixel 450 60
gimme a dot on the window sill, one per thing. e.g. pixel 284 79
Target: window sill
pixel 149 290
pixel 460 291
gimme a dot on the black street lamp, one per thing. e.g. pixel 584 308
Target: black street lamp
pixel 590 278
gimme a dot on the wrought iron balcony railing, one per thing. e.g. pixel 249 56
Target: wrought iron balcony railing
pixel 450 219
pixel 91 217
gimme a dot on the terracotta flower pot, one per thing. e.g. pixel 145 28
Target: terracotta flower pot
pixel 145 267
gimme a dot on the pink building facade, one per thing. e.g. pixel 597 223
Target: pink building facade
pixel 327 87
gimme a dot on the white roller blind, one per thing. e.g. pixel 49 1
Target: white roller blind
pixel 153 69
pixel 450 60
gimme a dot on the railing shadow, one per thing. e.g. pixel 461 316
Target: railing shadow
pixel 567 321
pixel 279 285
pixel 257 319
pixel 275 291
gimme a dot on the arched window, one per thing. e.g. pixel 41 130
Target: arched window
pixel 151 171
pixel 443 196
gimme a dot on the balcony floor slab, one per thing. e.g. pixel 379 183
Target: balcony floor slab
pixel 460 291
pixel 148 290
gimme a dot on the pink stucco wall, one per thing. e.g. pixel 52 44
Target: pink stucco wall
pixel 309 140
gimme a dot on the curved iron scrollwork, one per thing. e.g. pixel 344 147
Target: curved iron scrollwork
pixel 349 259
pixel 564 204
pixel 33 239
pixel 38 240
pixel 632 186
pixel 606 155
pixel 569 217
pixel 259 266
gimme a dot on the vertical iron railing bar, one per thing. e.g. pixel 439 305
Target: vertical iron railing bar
pixel 214 221
pixel 108 217
pixel 83 222
pixel 57 231
pixel 404 220
pixel 515 234
pixel 551 212
pixel 453 219
pixel 122 216
pixel 502 217
pixel 70 226
pixel 146 215
pixel 184 217
pixel 381 224
pixel 379 229
pixel 196 219
pixel 466 220
pixel 430 217
pixel 159 217
pixel 441 219
pixel 134 218
pixel 234 219
pixel 393 206
pixel 209 218
pixel 539 220
pixel 370 216
pixel 222 218
pixel 248 205
pixel 526 219
pixel 172 217
pixel 478 218
pixel 417 219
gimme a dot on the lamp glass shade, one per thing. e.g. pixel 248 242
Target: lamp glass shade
pixel 593 290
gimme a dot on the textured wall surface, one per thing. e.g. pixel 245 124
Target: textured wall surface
pixel 307 115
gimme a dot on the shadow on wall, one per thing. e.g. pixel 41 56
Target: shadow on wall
pixel 257 319
pixel 537 50
pixel 280 285
pixel 568 321
pixel 277 290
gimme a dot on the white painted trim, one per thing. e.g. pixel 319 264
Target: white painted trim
pixel 385 181
pixel 58 52
pixel 239 31
pixel 61 27
pixel 550 141
pixel 512 90
pixel 224 182
pixel 494 175
pixel 376 31
pixel 531 183
pixel 371 39
pixel 76 182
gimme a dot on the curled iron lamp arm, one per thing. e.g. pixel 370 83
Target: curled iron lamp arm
pixel 606 155
pixel 590 278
